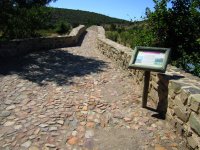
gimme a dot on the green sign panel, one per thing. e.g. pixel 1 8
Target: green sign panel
pixel 150 58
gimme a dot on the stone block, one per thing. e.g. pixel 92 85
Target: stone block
pixel 175 86
pixel 173 122
pixel 179 103
pixel 172 112
pixel 192 90
pixel 182 114
pixel 154 94
pixel 172 95
pixel 154 84
pixel 170 102
pixel 154 78
pixel 192 142
pixel 140 75
pixel 194 102
pixel 179 126
pixel 169 115
pixel 186 130
pixel 194 121
pixel 184 96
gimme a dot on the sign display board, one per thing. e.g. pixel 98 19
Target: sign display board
pixel 150 58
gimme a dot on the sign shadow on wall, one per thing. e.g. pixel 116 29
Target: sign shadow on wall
pixel 163 92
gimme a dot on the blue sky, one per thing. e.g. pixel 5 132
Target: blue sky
pixel 124 9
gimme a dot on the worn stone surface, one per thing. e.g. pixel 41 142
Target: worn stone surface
pixel 175 86
pixel 179 103
pixel 195 122
pixel 9 123
pixel 5 113
pixel 192 142
pixel 27 144
pixel 181 113
pixel 33 148
pixel 73 141
pixel 192 90
pixel 194 101
pixel 76 98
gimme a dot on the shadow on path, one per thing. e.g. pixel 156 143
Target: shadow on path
pixel 51 66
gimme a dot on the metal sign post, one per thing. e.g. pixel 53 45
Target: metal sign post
pixel 149 59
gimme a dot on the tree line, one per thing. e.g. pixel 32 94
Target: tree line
pixel 32 18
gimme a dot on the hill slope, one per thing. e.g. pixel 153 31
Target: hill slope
pixel 82 17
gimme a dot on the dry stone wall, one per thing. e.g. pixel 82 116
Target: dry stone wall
pixel 175 93
pixel 22 46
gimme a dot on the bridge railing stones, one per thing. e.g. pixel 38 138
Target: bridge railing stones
pixel 174 93
pixel 23 46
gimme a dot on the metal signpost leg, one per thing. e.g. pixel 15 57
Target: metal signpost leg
pixel 146 87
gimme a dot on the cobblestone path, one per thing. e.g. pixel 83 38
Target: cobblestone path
pixel 75 98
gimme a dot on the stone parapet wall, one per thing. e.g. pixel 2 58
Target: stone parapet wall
pixel 22 46
pixel 175 93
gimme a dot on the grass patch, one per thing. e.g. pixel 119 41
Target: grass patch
pixel 40 33
pixel 47 32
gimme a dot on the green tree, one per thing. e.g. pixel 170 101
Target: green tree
pixel 159 22
pixel 184 27
pixel 178 28
pixel 22 18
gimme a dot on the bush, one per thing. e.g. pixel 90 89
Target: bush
pixel 132 37
pixel 189 63
pixel 63 27
pixel 113 35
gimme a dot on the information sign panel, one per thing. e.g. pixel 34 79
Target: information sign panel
pixel 150 58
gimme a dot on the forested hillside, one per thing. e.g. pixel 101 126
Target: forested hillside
pixel 75 17
pixel 30 20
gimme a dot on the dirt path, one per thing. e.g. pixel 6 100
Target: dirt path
pixel 75 98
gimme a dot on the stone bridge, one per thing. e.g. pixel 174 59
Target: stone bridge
pixel 77 98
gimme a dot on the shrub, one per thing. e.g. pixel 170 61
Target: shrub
pixel 63 27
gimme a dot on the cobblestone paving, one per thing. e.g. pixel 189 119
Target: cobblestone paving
pixel 75 98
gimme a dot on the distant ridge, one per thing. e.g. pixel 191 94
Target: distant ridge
pixel 82 17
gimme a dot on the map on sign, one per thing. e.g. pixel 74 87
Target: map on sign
pixel 153 59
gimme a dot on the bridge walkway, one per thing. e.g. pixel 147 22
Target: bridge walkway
pixel 76 98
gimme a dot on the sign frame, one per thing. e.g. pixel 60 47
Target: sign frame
pixel 138 49
pixel 152 66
